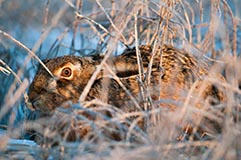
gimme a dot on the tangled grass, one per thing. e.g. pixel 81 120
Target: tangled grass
pixel 208 29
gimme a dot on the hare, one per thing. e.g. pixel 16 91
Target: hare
pixel 163 73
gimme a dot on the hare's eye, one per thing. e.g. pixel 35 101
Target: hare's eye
pixel 66 72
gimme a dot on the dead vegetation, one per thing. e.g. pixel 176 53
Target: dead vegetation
pixel 210 30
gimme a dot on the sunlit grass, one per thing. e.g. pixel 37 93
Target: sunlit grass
pixel 210 30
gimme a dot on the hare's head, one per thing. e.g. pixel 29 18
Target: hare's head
pixel 69 76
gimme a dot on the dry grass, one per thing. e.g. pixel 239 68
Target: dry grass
pixel 209 29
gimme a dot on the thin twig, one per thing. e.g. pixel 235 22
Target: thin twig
pixel 139 63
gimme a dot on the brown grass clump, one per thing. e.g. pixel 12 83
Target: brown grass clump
pixel 208 30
